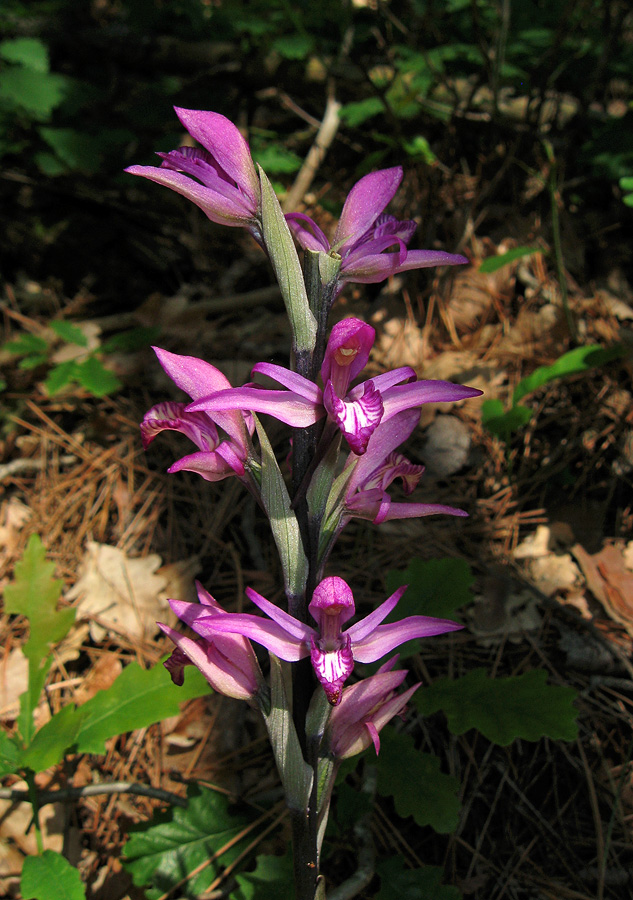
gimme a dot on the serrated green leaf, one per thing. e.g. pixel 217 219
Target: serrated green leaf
pixel 34 594
pixel 29 52
pixel 35 93
pixel 69 332
pixel 580 359
pixel 417 785
pixel 163 851
pixel 50 877
pixel 94 377
pixel 503 709
pixel 494 263
pixel 9 754
pixel 272 879
pixel 53 740
pixel 412 884
pixel 139 697
pixel 60 376
pixel 26 343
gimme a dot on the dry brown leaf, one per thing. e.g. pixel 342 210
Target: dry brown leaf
pixel 610 581
pixel 124 594
pixel 13 515
pixel 14 680
pixel 100 676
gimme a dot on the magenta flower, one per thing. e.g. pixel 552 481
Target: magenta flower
pixel 364 233
pixel 227 661
pixel 365 709
pixel 221 178
pixel 366 495
pixel 331 650
pixel 358 411
pixel 217 457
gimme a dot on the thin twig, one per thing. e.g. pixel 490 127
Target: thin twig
pixel 316 153
pixel 65 795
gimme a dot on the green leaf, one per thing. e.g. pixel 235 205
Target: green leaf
pixel 32 362
pixel 50 877
pixel 294 46
pixel 416 784
pixel 271 880
pixel 501 423
pixel 412 884
pixel 493 263
pixel 283 521
pixel 78 151
pixel 420 148
pixel 29 52
pixel 53 740
pixel 133 339
pixel 296 775
pixel 162 852
pixel 35 93
pixel 69 332
pixel 626 183
pixel 34 594
pixel 49 164
pixel 277 159
pixel 354 114
pixel 580 359
pixel 437 587
pixel 61 375
pixel 139 697
pixel 503 709
pixel 95 378
pixel 285 262
pixel 9 754
pixel 26 343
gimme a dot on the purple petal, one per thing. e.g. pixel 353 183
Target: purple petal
pixel 406 396
pixel 292 626
pixel 357 419
pixel 231 211
pixel 423 259
pixel 170 416
pixel 332 668
pixel 364 203
pixel 348 348
pixel 384 381
pixel 417 510
pixel 307 233
pixel 211 466
pixel 291 380
pixel 199 379
pixel 286 406
pixel 386 638
pixel 270 635
pixel 366 626
pixel 383 441
pixel 225 143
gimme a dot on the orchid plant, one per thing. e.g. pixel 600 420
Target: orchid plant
pixel 345 439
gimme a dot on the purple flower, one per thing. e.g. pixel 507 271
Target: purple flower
pixel 365 709
pixel 331 650
pixel 227 661
pixel 358 411
pixel 217 457
pixel 364 233
pixel 221 178
pixel 366 494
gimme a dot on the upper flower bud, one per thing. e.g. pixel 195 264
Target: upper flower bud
pixel 221 178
